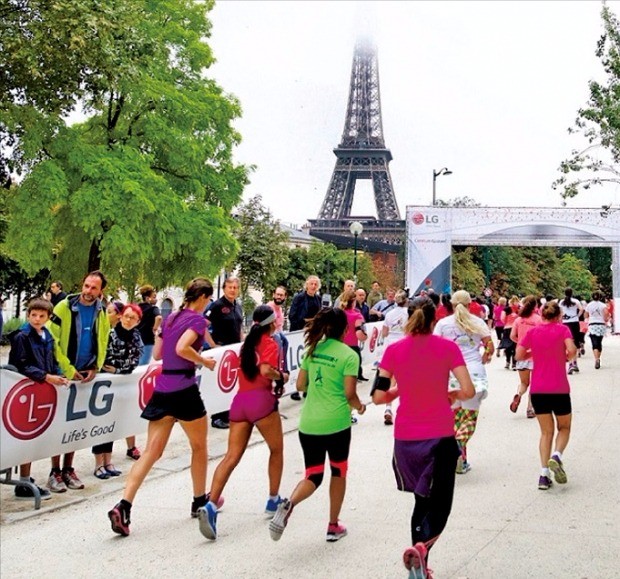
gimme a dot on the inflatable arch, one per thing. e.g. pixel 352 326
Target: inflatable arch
pixel 432 231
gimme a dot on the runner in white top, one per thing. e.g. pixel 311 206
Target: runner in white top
pixel 394 329
pixel 597 316
pixel 471 334
pixel 571 310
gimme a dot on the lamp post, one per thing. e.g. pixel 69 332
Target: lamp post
pixel 356 229
pixel 444 171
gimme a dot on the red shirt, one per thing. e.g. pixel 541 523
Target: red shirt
pixel 475 309
pixel 266 353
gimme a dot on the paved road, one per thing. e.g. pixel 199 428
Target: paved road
pixel 501 524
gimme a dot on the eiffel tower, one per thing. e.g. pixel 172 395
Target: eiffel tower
pixel 361 154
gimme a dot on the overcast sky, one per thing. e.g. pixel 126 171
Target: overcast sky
pixel 487 89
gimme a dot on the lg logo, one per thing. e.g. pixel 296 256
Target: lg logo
pixel 228 370
pixel 29 409
pixel 420 218
pixel 146 384
pixel 373 339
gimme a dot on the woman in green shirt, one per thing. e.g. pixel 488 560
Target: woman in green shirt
pixel 328 373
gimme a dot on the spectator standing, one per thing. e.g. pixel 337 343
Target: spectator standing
pixel 378 311
pixel 349 286
pixel 356 329
pixel 374 295
pixel 276 304
pixel 123 355
pixel 361 305
pixel 150 322
pixel 306 304
pixel 226 318
pixel 81 331
pixel 56 293
pixel 32 353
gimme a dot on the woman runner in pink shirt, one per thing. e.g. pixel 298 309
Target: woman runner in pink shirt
pixel 425 449
pixel 528 319
pixel 551 345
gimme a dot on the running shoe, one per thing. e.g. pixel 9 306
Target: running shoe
pixel 272 506
pixel 514 405
pixel 202 501
pixel 280 519
pixel 335 531
pixel 462 466
pixel 23 493
pixel 133 453
pixel 207 521
pixel 388 419
pixel 55 483
pixel 557 468
pixel 71 480
pixel 597 364
pixel 571 369
pixel 544 482
pixel 119 517
pixel 530 413
pixel 414 559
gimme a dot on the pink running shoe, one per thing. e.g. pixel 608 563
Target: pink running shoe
pixel 335 532
pixel 414 559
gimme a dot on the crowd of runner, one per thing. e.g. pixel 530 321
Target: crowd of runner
pixel 436 348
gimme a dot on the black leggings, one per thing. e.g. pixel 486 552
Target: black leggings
pixel 597 342
pixel 430 514
pixel 357 350
pixel 316 446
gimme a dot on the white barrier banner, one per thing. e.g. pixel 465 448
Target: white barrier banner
pixel 41 420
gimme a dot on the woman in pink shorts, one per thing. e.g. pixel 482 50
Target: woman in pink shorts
pixel 550 345
pixel 254 404
pixel 425 447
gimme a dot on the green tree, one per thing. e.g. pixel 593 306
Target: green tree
pixel 598 122
pixel 577 275
pixel 466 274
pixel 144 187
pixel 263 253
pixel 332 265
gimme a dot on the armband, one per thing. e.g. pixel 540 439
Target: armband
pixel 381 383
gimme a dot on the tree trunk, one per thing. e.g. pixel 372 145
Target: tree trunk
pixel 94 256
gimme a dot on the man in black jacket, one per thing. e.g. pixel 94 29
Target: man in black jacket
pixel 306 304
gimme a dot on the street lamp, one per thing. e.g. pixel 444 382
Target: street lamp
pixel 444 171
pixel 356 229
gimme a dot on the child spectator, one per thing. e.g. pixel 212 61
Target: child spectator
pixel 122 357
pixel 32 353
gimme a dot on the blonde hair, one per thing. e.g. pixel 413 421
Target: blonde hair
pixel 464 320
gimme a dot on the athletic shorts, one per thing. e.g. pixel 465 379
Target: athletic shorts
pixel 252 405
pixel 525 364
pixel 558 404
pixel 316 446
pixel 186 405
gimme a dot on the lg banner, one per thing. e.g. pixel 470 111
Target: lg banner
pixel 41 420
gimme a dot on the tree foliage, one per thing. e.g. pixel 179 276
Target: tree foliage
pixel 263 253
pixel 531 270
pixel 143 188
pixel 598 122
